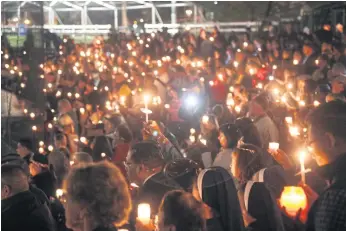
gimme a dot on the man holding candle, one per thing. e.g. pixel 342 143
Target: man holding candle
pixel 327 139
pixel 144 166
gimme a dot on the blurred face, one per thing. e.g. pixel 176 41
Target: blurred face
pixel 337 87
pixel 223 140
pixel 135 172
pixel 22 151
pixel 321 146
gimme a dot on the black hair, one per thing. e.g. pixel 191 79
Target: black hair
pixel 148 153
pixel 27 143
pixel 183 171
pixel 249 131
pixel 232 133
pixel 183 211
pixel 329 117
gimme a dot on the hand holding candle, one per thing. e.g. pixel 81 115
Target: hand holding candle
pixel 293 199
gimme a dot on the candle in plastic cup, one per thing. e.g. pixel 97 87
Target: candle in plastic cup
pixel 293 198
pixel 144 213
pixel 273 146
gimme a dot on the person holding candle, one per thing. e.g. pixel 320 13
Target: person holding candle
pixel 97 198
pixel 327 140
pixel 144 165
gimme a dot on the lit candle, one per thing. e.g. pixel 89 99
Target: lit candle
pixel 316 103
pixel 205 119
pixel 302 155
pixel 293 199
pixel 50 148
pixel 146 101
pixel 273 146
pixel 289 120
pixel 144 213
pixel 294 131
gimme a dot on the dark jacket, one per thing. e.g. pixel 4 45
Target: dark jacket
pixel 328 213
pixel 25 212
pixel 105 229
pixel 46 182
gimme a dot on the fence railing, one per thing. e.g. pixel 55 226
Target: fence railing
pixel 172 28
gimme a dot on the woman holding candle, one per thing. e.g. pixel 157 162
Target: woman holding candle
pixel 97 198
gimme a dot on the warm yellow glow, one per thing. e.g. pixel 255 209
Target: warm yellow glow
pixel 273 146
pixel 50 148
pixel 293 198
pixel 34 128
pixel 294 131
pixel 205 119
pixel 295 62
pixel 316 103
pixel 144 213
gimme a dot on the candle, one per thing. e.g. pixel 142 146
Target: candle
pixel 144 213
pixel 273 146
pixel 50 148
pixel 205 119
pixel 302 155
pixel 146 101
pixel 289 120
pixel 316 103
pixel 294 131
pixel 293 199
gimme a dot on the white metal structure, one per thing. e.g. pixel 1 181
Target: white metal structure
pixel 84 7
pixel 53 7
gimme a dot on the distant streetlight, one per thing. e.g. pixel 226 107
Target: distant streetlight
pixel 188 13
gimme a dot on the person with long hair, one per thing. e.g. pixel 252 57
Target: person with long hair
pixel 216 189
pixel 97 198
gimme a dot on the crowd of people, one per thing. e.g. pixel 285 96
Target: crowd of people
pixel 180 132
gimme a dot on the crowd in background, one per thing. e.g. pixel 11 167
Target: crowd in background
pixel 185 124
